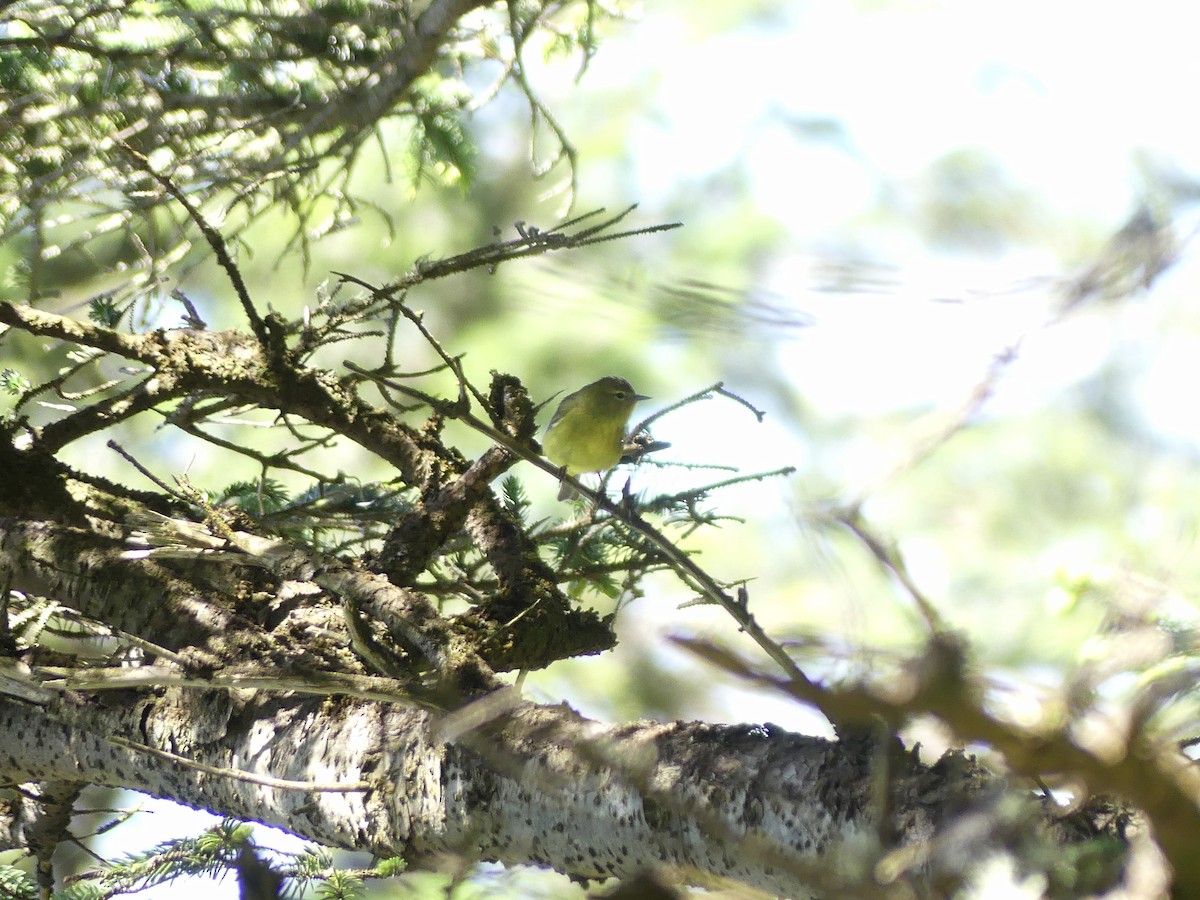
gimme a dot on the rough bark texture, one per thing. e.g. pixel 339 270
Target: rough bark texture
pixel 532 784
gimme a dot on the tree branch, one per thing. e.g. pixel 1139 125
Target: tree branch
pixel 756 804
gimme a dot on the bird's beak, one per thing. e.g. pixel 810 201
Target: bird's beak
pixel 637 397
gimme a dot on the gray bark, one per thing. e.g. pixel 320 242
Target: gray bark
pixel 502 780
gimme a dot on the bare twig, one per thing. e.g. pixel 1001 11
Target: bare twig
pixel 683 565
pixel 215 241
pixel 890 559
pixel 348 787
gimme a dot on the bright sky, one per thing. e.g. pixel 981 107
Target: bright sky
pixel 1064 94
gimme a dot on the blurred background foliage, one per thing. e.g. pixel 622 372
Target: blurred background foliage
pixel 948 254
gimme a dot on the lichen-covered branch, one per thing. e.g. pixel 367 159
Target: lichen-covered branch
pixel 526 784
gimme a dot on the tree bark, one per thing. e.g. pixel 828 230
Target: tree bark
pixel 501 780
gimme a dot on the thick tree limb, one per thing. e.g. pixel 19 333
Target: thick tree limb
pixel 529 784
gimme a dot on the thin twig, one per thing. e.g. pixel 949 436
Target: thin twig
pixel 215 241
pixel 239 775
pixel 162 485
pixel 686 568
pixel 891 560
pixel 454 363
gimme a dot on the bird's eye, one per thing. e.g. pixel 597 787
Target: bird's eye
pixel 620 395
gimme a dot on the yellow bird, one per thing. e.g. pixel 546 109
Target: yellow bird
pixel 587 431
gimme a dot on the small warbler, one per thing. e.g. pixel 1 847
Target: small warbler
pixel 587 431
